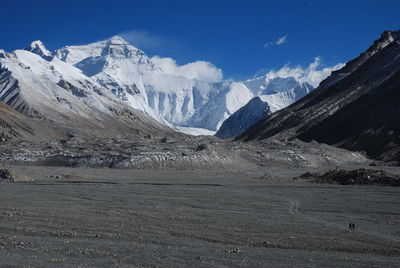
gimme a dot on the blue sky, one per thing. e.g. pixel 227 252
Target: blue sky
pixel 240 37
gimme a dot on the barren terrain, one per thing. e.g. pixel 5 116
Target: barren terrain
pixel 191 218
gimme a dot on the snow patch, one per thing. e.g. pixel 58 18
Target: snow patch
pixel 196 131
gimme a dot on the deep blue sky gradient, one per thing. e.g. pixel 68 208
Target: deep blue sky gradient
pixel 230 34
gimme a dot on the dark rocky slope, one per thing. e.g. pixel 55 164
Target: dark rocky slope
pixel 243 118
pixel 357 107
pixel 359 176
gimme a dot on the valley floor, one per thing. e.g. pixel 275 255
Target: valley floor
pixel 167 218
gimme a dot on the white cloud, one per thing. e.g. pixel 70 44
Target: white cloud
pixel 201 70
pixel 278 42
pixel 145 40
pixel 313 74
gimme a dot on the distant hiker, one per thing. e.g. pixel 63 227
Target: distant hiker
pixel 353 226
pixel 350 226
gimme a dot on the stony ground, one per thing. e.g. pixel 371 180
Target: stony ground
pixel 165 218
pixel 174 153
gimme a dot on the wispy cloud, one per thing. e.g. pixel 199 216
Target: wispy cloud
pixel 151 42
pixel 278 42
pixel 281 40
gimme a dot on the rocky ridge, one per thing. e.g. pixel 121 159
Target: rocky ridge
pixel 356 108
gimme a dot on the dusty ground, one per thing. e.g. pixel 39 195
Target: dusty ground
pixel 143 218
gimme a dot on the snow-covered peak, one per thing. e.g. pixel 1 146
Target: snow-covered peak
pixel 39 48
pixel 38 44
pixel 118 48
pixel 115 47
pixel 279 100
pixel 118 40
pixel 264 85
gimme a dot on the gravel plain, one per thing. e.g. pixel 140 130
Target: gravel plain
pixel 189 218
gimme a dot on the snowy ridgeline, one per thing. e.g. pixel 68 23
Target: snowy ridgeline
pixel 191 98
pixel 259 107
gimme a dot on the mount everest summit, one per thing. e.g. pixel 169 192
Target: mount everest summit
pixel 112 81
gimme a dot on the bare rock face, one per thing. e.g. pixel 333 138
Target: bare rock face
pixel 10 175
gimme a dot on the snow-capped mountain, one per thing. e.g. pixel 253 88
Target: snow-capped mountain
pixel 173 99
pixel 282 93
pixel 104 73
pixel 56 92
pixel 115 65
